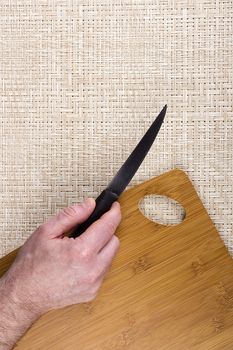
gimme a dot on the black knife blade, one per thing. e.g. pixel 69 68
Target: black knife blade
pixel 123 176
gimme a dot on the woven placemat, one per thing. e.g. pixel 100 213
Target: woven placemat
pixel 82 81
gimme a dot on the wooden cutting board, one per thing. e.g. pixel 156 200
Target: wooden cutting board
pixel 169 288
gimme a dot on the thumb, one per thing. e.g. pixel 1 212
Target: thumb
pixel 68 218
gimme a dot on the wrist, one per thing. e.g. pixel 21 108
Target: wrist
pixel 17 315
pixel 16 297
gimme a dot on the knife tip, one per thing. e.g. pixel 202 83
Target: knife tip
pixel 163 112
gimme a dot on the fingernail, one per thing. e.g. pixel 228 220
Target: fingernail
pixel 116 204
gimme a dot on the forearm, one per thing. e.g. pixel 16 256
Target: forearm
pixel 15 317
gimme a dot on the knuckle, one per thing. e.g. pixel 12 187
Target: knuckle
pixel 70 211
pixel 110 226
pixel 95 274
pixel 92 277
pixel 98 270
pixel 85 254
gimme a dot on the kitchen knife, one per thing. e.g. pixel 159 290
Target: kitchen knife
pixel 123 176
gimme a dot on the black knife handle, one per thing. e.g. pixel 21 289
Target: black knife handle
pixel 103 204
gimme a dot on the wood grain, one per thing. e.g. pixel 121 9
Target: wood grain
pixel 169 288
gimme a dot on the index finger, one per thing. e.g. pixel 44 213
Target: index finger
pixel 101 231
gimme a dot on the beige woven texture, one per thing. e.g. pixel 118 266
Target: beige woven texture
pixel 81 81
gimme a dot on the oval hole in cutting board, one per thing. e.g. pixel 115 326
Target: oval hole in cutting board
pixel 162 209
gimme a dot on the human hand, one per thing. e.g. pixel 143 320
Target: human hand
pixel 52 270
